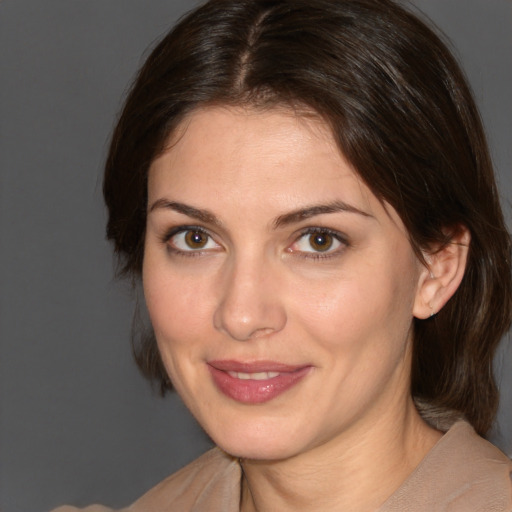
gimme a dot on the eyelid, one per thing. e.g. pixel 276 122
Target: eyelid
pixel 169 234
pixel 337 235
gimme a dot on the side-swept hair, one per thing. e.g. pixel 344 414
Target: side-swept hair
pixel 402 114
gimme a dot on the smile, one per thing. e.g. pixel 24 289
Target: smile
pixel 253 376
pixel 255 383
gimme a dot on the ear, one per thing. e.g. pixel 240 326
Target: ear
pixel 442 275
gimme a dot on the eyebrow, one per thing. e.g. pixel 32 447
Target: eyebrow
pixel 294 217
pixel 196 213
pixel 312 211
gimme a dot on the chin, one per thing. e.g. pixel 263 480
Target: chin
pixel 264 451
pixel 258 440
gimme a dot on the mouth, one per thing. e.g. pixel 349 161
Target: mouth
pixel 253 376
pixel 257 382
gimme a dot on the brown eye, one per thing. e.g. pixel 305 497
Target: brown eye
pixel 321 241
pixel 196 239
pixel 193 240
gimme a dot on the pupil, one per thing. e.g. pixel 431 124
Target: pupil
pixel 195 239
pixel 321 241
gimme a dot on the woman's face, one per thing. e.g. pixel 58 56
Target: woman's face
pixel 281 291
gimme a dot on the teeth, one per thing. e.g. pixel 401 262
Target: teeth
pixel 253 376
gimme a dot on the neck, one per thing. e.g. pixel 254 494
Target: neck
pixel 356 471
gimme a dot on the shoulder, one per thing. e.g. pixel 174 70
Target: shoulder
pixel 210 483
pixel 462 473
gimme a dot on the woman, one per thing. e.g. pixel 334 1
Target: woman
pixel 305 190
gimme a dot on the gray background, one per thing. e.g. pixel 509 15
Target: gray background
pixel 77 422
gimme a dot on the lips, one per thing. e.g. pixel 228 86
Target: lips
pixel 257 382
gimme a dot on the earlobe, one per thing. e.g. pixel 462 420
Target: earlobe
pixel 443 274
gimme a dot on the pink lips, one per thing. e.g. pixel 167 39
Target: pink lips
pixel 255 383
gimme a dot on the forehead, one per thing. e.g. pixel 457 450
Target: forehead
pixel 241 140
pixel 246 130
pixel 256 159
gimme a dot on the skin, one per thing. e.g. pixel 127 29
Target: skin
pixel 259 290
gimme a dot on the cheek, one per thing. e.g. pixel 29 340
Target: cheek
pixel 367 306
pixel 176 310
pixel 180 324
pixel 176 303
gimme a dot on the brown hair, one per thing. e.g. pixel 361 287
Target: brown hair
pixel 402 114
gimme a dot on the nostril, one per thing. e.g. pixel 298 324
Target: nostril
pixel 260 333
pixel 261 321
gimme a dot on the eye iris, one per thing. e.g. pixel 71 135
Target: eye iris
pixel 195 239
pixel 320 241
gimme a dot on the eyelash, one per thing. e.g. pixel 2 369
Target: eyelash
pixel 184 229
pixel 315 255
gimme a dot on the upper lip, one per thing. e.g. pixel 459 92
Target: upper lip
pixel 254 366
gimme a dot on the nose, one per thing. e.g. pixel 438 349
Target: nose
pixel 249 305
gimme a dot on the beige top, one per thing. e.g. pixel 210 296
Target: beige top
pixel 462 473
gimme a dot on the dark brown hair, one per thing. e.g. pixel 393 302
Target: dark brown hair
pixel 402 114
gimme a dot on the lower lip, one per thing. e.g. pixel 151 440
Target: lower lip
pixel 253 391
